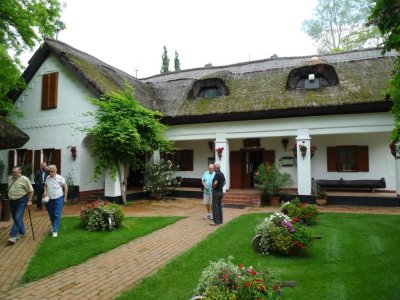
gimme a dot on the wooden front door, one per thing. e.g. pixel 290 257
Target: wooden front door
pixel 236 169
pixel 244 163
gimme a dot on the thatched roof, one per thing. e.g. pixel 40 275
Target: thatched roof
pixel 11 137
pixel 254 90
pixel 98 76
pixel 258 89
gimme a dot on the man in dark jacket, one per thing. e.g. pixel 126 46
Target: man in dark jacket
pixel 217 194
pixel 40 178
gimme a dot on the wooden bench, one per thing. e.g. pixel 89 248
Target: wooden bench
pixel 370 184
pixel 189 182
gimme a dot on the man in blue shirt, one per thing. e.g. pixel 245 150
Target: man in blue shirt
pixel 206 181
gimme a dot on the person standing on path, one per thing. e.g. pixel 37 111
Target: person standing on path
pixel 56 189
pixel 206 181
pixel 20 193
pixel 40 178
pixel 217 194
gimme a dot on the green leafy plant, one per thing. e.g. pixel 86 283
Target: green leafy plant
pixel 279 234
pixel 304 212
pixel 271 181
pixel 71 186
pixel 101 215
pixel 160 176
pixel 224 280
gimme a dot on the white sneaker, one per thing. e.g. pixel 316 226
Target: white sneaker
pixel 210 217
pixel 206 216
pixel 12 240
pixel 55 234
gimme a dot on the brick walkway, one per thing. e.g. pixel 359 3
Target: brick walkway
pixel 107 275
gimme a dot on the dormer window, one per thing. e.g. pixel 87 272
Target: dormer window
pixel 312 75
pixel 208 88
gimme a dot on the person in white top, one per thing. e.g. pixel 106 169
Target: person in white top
pixel 56 189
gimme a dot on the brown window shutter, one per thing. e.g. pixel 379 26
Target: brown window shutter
pixel 332 159
pixel 57 160
pixel 269 156
pixel 189 160
pixel 36 161
pixel 49 90
pixel 29 158
pixel 362 159
pixel 10 160
pixel 53 96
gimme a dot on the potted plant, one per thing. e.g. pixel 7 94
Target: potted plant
pixel 321 197
pixel 159 177
pixel 271 182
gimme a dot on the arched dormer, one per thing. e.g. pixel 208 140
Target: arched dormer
pixel 313 74
pixel 208 88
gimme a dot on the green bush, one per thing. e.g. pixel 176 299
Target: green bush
pixel 101 215
pixel 305 213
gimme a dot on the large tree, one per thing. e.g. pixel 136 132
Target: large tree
pixel 23 23
pixel 165 61
pixel 124 133
pixel 339 25
pixel 177 63
pixel 386 16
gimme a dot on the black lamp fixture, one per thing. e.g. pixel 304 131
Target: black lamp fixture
pixel 285 142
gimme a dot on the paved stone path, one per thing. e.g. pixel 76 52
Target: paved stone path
pixel 107 275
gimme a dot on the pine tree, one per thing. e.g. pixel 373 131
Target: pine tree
pixel 165 61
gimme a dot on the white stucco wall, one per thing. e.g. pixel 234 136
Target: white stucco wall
pixel 59 128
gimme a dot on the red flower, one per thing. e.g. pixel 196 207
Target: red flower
pixel 276 287
pixel 247 284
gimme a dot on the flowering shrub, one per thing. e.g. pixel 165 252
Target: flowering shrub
pixel 101 215
pixel 160 176
pixel 305 212
pixel 279 234
pixel 224 280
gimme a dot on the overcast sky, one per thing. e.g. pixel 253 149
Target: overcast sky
pixel 130 35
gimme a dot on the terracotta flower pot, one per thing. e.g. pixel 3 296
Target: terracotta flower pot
pixel 274 200
pixel 320 202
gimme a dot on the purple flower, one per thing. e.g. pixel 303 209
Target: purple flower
pixel 288 225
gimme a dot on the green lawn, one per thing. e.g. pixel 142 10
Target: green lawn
pixel 357 258
pixel 76 245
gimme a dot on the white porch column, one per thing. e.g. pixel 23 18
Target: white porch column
pixel 397 169
pixel 112 188
pixel 221 142
pixel 303 163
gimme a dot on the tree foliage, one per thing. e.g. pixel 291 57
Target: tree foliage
pixel 386 16
pixel 339 25
pixel 165 61
pixel 177 63
pixel 124 132
pixel 23 23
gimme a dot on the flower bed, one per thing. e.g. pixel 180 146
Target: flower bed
pixel 305 213
pixel 101 215
pixel 279 234
pixel 224 280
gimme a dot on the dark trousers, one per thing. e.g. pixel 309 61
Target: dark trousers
pixel 39 195
pixel 217 207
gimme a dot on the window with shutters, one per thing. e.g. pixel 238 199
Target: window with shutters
pixel 49 90
pixel 348 159
pixel 52 157
pixel 183 159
